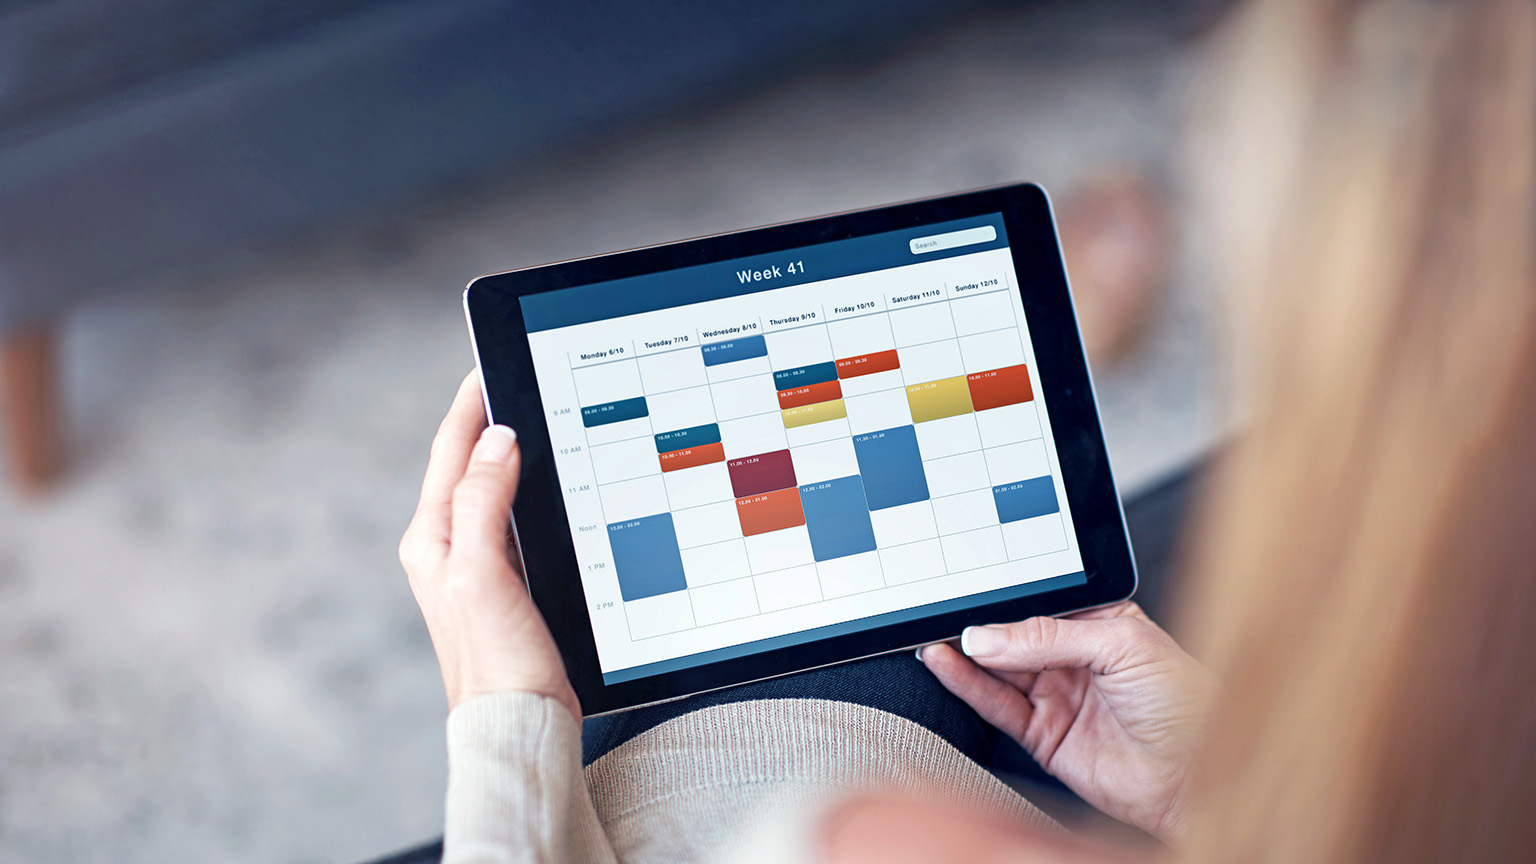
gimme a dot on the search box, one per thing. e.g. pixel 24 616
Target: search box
pixel 967 237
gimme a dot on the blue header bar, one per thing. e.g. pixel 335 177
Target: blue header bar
pixel 686 285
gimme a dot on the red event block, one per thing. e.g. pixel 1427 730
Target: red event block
pixel 998 387
pixel 770 511
pixel 867 364
pixel 810 394
pixel 765 472
pixel 688 457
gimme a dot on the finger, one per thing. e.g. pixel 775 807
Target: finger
pixel 1103 646
pixel 482 500
pixel 456 437
pixel 997 701
pixel 1020 681
pixel 1023 681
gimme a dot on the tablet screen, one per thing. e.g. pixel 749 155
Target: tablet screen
pixel 762 452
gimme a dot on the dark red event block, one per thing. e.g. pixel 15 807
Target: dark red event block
pixel 765 472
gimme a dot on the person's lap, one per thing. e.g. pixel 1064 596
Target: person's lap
pixel 898 683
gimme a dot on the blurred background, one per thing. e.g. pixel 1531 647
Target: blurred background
pixel 232 242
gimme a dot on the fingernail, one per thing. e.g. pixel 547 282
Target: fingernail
pixel 919 653
pixel 982 641
pixel 495 444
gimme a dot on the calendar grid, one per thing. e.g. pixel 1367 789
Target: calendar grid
pixel 772 545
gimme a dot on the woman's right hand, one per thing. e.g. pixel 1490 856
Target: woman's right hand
pixel 1105 701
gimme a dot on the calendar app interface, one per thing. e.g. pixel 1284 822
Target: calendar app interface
pixel 761 452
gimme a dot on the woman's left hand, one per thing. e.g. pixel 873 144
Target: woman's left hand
pixel 1104 700
pixel 488 635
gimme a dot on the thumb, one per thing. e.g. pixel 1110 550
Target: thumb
pixel 482 500
pixel 1102 645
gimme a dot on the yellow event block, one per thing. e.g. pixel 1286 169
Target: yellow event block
pixel 935 399
pixel 805 415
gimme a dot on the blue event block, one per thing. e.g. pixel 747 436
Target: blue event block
pixel 614 412
pixel 1025 499
pixel 693 436
pixel 891 466
pixel 646 556
pixel 837 518
pixel 803 376
pixel 731 350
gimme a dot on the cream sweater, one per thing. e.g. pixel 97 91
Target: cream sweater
pixel 719 784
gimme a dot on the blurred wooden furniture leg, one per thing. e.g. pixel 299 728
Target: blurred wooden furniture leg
pixel 29 405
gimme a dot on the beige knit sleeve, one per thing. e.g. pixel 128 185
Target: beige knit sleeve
pixel 515 787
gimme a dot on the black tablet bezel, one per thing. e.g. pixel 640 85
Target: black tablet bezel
pixel 512 396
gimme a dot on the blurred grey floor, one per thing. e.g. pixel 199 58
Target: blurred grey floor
pixel 208 651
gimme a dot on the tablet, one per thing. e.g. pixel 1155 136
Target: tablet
pixel 761 452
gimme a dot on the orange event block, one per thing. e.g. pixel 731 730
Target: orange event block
pixel 998 387
pixel 810 394
pixel 688 457
pixel 770 511
pixel 867 364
